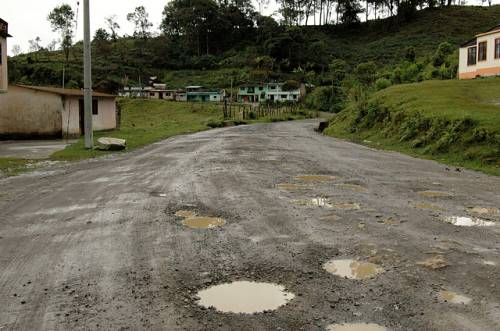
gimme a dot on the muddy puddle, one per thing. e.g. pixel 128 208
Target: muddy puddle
pixel 292 187
pixel 352 269
pixel 193 221
pixel 331 218
pixel 427 206
pixel 452 297
pixel 351 187
pixel 356 327
pixel 244 297
pixel 435 194
pixel 484 210
pixel 435 262
pixel 315 178
pixel 467 221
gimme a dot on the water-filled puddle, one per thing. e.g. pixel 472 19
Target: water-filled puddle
pixel 356 327
pixel 290 186
pixel 453 297
pixel 316 178
pixel 353 269
pixel 484 210
pixel 244 297
pixel 199 222
pixel 428 206
pixel 467 221
pixel 435 194
pixel 352 187
pixel 203 222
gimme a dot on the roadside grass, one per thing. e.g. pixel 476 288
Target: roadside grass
pixel 454 122
pixel 14 166
pixel 148 121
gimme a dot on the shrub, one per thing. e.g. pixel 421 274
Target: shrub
pixel 382 83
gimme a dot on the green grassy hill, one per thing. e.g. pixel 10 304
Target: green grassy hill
pixel 454 121
pixel 310 48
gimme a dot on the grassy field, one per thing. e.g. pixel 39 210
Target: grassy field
pixel 456 122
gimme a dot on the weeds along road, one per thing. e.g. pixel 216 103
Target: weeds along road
pixel 97 245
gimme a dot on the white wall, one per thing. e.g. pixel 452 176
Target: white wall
pixel 3 67
pixel 482 68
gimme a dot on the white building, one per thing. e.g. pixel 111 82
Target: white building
pixel 4 34
pixel 480 56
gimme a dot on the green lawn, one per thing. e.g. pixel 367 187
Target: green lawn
pixel 456 122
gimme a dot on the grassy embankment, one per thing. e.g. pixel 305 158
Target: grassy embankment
pixel 145 122
pixel 455 122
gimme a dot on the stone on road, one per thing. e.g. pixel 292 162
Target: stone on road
pixel 103 244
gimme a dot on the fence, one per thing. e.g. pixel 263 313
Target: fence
pixel 239 111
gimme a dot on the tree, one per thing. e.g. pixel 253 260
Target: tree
pixel 62 20
pixel 141 20
pixel 16 50
pixel 113 26
pixel 366 73
pixel 34 45
pixel 51 46
pixel 101 35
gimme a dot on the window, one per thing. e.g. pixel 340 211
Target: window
pixel 497 48
pixel 283 96
pixel 471 55
pixel 0 53
pixel 260 88
pixel 482 51
pixel 295 96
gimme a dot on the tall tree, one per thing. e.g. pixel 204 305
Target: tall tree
pixel 113 26
pixel 16 50
pixel 140 18
pixel 62 20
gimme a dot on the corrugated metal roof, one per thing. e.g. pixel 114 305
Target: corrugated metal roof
pixel 67 92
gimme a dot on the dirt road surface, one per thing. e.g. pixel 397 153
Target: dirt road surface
pixel 97 245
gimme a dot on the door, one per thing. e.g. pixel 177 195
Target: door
pixel 81 114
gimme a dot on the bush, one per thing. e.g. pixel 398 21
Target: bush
pixel 382 83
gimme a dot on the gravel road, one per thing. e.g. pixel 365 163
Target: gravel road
pixel 97 244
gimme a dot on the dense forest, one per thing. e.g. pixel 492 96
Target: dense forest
pixel 217 44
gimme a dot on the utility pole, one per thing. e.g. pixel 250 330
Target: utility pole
pixel 87 77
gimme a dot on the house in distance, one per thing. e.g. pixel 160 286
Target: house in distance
pixel 273 92
pixel 480 57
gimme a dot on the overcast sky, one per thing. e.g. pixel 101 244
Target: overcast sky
pixel 28 18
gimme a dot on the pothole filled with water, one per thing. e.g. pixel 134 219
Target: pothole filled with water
pixel 467 221
pixel 356 327
pixel 435 194
pixel 199 222
pixel 244 297
pixel 316 178
pixel 353 269
pixel 452 297
pixel 352 187
pixel 291 186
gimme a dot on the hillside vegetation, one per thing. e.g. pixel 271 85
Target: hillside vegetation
pixel 454 121
pixel 302 53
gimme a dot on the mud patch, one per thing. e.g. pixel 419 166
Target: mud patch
pixel 244 297
pixel 331 218
pixel 316 178
pixel 185 213
pixel 314 202
pixel 467 221
pixel 452 297
pixel 347 206
pixel 292 187
pixel 356 327
pixel 352 269
pixel 435 262
pixel 435 194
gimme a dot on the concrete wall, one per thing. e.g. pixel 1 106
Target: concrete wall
pixel 104 120
pixel 3 66
pixel 490 67
pixel 26 113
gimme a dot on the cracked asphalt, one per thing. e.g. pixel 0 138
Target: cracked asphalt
pixel 97 245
